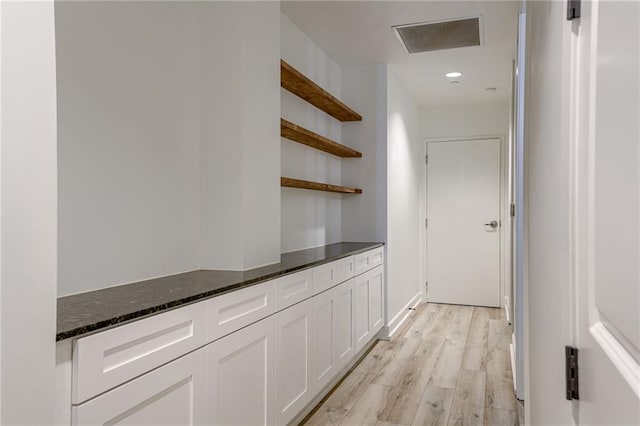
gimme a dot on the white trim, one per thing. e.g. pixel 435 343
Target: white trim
pixel 628 367
pixel 512 357
pixel 395 323
pixel 505 305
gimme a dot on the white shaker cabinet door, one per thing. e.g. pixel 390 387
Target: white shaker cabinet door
pixel 324 368
pixel 368 305
pixel 173 394
pixel 362 312
pixel 240 376
pixel 376 299
pixel 293 361
pixel 344 341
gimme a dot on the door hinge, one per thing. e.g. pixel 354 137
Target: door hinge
pixel 426 159
pixel 513 210
pixel 573 9
pixel 426 222
pixel 571 366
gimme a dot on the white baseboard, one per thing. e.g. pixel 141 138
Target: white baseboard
pixel 512 349
pixel 395 323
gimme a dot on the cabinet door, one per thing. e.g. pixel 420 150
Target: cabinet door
pixel 362 314
pixel 369 260
pixel 232 311
pixel 368 306
pixel 240 370
pixel 107 359
pixel 173 394
pixel 344 341
pixel 376 299
pixel 324 368
pixel 331 274
pixel 293 288
pixel 293 382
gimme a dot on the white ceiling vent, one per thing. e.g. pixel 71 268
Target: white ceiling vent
pixel 429 36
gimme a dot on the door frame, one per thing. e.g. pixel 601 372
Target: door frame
pixel 505 217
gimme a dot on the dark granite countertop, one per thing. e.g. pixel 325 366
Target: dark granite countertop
pixel 88 312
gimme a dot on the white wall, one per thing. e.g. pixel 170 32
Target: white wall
pixel 310 218
pixel 240 134
pixel 364 216
pixel 404 162
pixel 29 217
pixel 464 120
pixel 169 139
pixel 128 141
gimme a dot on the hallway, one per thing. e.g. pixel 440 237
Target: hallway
pixel 447 365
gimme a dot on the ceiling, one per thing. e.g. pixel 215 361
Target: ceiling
pixel 360 32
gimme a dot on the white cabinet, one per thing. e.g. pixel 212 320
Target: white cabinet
pixel 240 376
pixel 105 360
pixel 333 273
pixel 174 394
pixel 293 381
pixel 232 311
pixel 293 288
pixel 324 368
pixel 369 305
pixel 255 356
pixel 369 260
pixel 333 335
pixel 344 342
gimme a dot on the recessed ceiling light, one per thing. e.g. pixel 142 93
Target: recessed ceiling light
pixel 453 74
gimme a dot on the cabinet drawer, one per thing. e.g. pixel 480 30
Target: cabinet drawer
pixel 331 274
pixel 369 260
pixel 105 360
pixel 293 288
pixel 232 311
pixel 174 394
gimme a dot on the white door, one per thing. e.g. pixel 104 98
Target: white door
pixel 608 252
pixel 293 361
pixel 463 213
pixel 173 394
pixel 240 370
pixel 583 196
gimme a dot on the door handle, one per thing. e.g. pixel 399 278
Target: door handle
pixel 493 224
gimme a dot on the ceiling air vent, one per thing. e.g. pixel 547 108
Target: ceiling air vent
pixel 429 36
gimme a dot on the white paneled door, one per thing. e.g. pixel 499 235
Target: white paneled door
pixel 463 213
pixel 608 214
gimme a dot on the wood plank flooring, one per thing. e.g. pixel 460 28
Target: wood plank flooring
pixel 447 365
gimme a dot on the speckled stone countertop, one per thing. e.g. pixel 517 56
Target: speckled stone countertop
pixel 88 312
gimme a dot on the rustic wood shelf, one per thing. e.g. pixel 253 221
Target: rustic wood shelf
pixel 316 186
pixel 298 84
pixel 301 135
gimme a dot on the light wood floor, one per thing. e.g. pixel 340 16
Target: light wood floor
pixel 447 365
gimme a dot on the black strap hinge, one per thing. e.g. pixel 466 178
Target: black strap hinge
pixel 571 366
pixel 573 9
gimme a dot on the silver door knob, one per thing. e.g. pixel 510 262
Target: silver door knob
pixel 493 224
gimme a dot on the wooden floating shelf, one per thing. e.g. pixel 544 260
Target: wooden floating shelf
pixel 307 137
pixel 298 84
pixel 316 186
